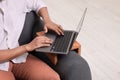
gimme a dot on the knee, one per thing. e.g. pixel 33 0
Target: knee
pixel 53 77
pixel 46 76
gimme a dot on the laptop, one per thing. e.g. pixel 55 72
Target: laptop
pixel 62 43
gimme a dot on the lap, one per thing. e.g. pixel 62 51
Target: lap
pixel 69 67
pixel 34 69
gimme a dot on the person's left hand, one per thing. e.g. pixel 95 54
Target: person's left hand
pixel 53 26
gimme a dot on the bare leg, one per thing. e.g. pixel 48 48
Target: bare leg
pixel 34 69
pixel 7 75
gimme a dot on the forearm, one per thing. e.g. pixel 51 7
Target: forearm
pixel 6 55
pixel 39 41
pixel 43 12
pixel 48 23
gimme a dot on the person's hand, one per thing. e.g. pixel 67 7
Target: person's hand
pixel 53 26
pixel 39 41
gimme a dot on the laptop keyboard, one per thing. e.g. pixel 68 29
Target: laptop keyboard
pixel 61 43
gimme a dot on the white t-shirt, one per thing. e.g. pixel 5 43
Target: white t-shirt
pixel 12 18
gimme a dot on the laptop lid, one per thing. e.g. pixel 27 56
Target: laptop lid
pixel 80 24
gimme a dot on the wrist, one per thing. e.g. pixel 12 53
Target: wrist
pixel 47 21
pixel 27 48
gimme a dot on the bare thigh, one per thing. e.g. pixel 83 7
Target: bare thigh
pixel 6 75
pixel 34 69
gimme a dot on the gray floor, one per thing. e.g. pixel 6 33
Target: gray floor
pixel 100 34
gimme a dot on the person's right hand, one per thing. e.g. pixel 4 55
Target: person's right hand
pixel 39 41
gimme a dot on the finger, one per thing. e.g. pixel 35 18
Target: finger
pixel 48 41
pixel 57 31
pixel 41 33
pixel 44 45
pixel 44 39
pixel 60 29
pixel 45 29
